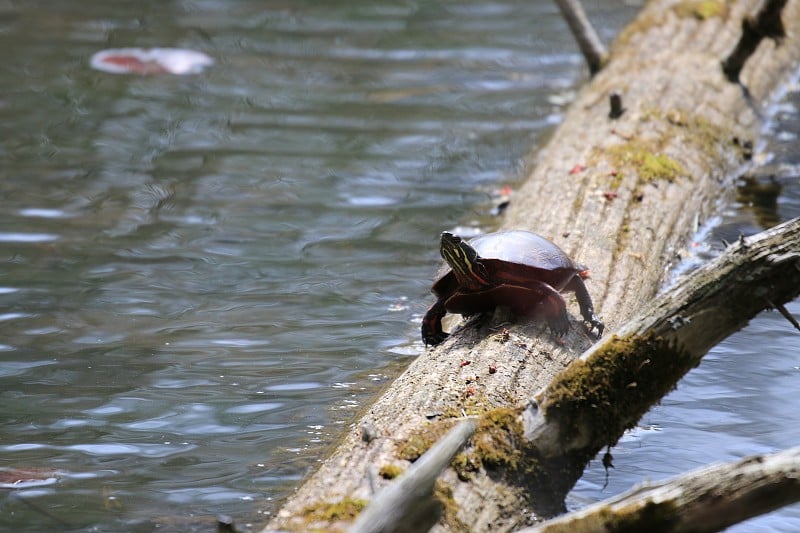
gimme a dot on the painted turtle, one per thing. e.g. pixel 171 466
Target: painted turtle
pixel 517 269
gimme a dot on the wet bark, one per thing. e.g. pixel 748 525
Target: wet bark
pixel 621 195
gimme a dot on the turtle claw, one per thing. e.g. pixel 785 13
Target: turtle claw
pixel 559 325
pixel 595 323
pixel 432 339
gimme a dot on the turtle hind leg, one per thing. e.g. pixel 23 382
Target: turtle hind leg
pixel 521 300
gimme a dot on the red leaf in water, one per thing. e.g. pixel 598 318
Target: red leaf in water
pixel 134 64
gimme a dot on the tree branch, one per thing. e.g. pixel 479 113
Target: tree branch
pixel 405 505
pixel 591 47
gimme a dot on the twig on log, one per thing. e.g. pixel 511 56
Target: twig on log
pixel 705 500
pixel 405 505
pixel 591 47
pixel 786 314
pixel 615 103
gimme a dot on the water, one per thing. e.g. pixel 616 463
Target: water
pixel 204 278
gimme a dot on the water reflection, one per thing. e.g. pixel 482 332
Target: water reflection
pixel 204 277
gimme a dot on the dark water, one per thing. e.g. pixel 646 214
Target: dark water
pixel 203 278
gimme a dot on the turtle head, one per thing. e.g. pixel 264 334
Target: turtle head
pixel 464 260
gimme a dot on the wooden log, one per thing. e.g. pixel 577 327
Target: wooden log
pixel 705 500
pixel 620 195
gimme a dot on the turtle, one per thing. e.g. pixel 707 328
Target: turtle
pixel 518 269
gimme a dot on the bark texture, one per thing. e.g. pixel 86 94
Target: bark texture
pixel 620 195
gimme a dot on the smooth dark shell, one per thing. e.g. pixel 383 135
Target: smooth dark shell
pixel 522 247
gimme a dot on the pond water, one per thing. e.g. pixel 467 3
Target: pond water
pixel 204 277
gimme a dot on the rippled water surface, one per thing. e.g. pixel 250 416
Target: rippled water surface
pixel 204 277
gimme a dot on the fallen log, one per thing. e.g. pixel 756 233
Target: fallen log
pixel 705 500
pixel 621 195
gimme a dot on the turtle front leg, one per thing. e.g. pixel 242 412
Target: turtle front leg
pixel 432 333
pixel 585 302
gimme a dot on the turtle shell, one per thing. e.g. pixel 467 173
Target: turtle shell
pixel 523 248
pixel 516 269
pixel 515 253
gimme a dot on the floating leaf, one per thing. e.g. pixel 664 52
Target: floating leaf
pixel 151 61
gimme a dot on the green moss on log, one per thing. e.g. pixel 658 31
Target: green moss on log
pixel 651 516
pixel 444 494
pixel 644 158
pixel 390 471
pixel 607 393
pixel 497 444
pixel 412 448
pixel 700 132
pixel 701 9
pixel 498 438
pixel 345 510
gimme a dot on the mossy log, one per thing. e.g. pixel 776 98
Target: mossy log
pixel 705 500
pixel 408 503
pixel 620 195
